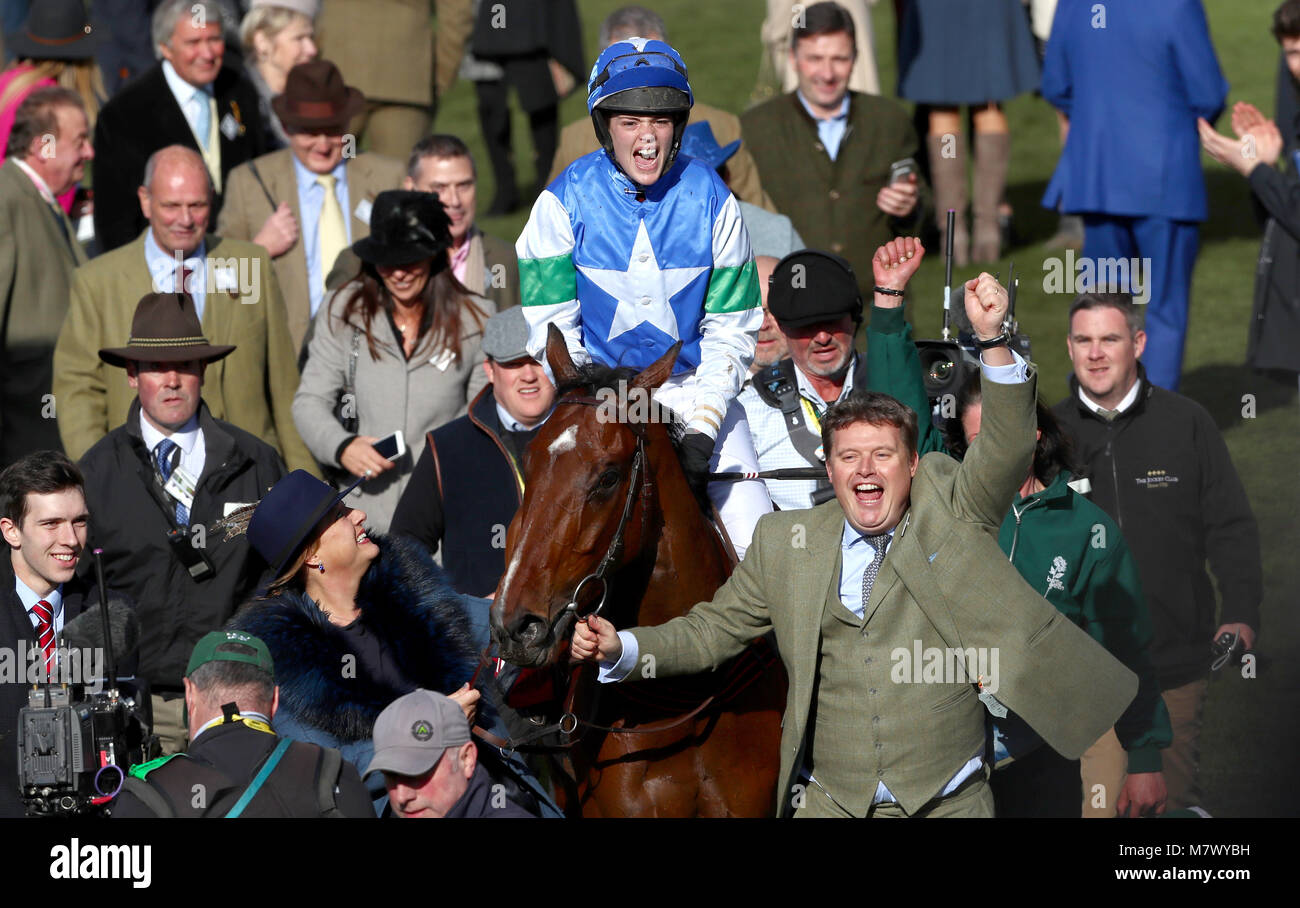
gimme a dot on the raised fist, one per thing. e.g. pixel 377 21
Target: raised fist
pixel 986 305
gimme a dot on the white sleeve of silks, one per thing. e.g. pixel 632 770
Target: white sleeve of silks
pixel 547 278
pixel 733 313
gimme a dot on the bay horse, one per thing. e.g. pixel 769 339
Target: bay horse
pixel 608 518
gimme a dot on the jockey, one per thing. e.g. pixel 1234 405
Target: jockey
pixel 634 248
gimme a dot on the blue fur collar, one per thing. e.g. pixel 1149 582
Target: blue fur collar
pixel 406 602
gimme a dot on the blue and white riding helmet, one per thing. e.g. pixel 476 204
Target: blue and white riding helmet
pixel 639 76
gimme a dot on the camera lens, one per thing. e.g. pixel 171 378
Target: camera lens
pixel 940 370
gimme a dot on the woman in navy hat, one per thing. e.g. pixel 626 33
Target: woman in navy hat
pixel 403 338
pixel 352 622
pixel 55 46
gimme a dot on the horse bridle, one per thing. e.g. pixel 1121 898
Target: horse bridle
pixel 640 472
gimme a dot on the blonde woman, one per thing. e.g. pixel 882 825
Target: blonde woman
pixel 277 35
pixel 55 46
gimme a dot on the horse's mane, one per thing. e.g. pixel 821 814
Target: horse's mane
pixel 594 377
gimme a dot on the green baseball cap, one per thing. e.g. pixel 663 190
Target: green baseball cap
pixel 230 646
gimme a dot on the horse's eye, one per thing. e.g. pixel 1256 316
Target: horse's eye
pixel 608 479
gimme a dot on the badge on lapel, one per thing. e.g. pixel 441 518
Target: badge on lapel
pixel 232 125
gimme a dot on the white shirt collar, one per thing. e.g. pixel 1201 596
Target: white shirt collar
pixel 185 437
pixel 842 115
pixel 156 257
pixel 307 178
pixel 807 390
pixel 41 186
pixel 509 423
pixel 1129 399
pixel 27 596
pixel 182 90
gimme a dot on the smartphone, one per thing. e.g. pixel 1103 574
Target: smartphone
pixel 392 446
pixel 900 170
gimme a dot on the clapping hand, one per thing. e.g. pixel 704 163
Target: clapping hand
pixel 1258 140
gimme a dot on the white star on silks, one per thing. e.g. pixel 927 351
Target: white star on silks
pixel 644 289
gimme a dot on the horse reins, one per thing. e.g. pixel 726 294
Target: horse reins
pixel 639 467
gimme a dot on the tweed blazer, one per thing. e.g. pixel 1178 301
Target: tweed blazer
pixel 36 265
pixel 247 208
pixel 579 138
pixel 944 561
pixel 833 203
pixel 388 49
pixel 252 388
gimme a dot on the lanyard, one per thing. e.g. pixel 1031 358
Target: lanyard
pixel 813 419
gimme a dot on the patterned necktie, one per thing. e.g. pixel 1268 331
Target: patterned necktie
pixel 162 455
pixel 333 232
pixel 44 613
pixel 1108 415
pixel 879 543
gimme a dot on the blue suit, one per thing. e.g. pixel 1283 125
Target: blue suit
pixel 1133 78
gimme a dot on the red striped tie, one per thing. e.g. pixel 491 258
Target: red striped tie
pixel 45 632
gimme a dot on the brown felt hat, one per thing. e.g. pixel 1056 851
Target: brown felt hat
pixel 165 329
pixel 315 98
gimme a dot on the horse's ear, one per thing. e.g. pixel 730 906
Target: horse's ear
pixel 557 354
pixel 655 374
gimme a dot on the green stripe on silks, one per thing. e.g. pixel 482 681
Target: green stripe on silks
pixel 546 282
pixel 733 289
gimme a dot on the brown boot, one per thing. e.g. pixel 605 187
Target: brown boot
pixel 992 154
pixel 948 175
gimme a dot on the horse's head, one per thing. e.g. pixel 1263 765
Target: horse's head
pixel 588 502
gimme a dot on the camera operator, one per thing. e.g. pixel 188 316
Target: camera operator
pixel 43 519
pixel 157 486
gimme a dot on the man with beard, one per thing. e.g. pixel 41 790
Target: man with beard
pixel 813 296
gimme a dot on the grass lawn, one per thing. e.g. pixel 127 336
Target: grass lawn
pixel 1251 737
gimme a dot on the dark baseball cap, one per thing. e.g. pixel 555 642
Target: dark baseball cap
pixel 230 646
pixel 812 286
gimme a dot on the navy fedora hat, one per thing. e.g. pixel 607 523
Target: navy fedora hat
pixel 283 522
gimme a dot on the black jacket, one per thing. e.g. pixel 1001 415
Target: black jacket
pixel 16 632
pixel 211 776
pixel 1274 335
pixel 1163 473
pixel 463 493
pixel 144 117
pixel 481 802
pixel 130 524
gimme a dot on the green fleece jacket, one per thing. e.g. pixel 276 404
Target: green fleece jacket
pixel 1068 550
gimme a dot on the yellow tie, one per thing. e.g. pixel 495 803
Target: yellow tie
pixel 333 234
